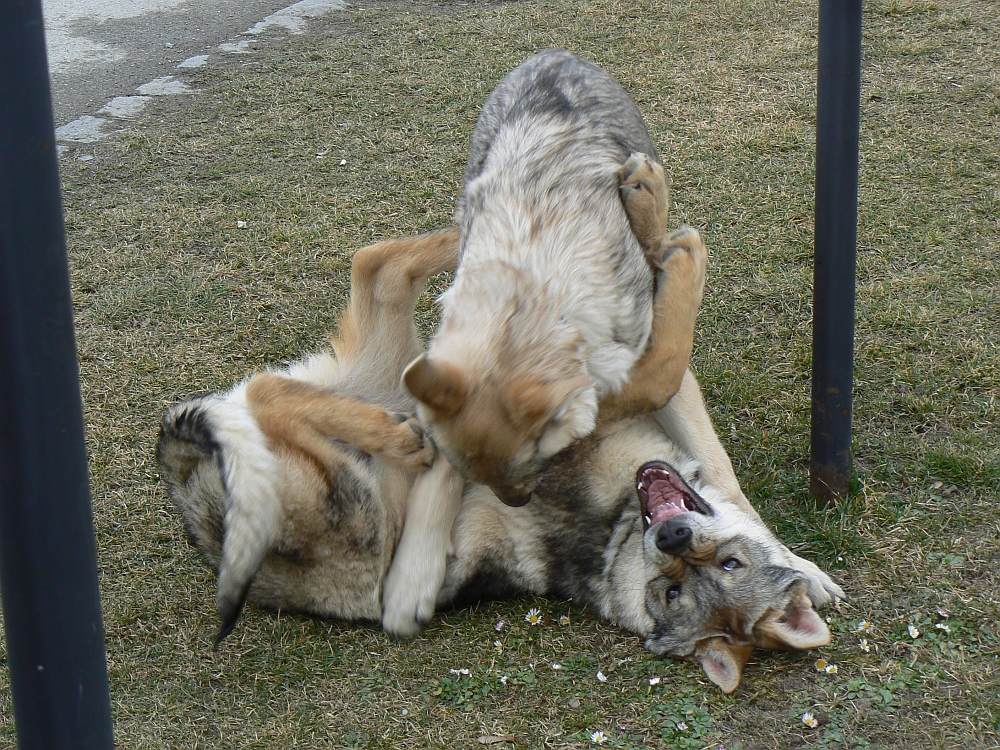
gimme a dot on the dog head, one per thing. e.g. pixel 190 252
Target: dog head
pixel 501 431
pixel 719 583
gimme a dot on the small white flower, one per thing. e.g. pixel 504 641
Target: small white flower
pixel 682 726
pixel 831 669
pixel 556 665
pixel 821 665
pixel 654 681
pixel 863 645
pixel 809 720
pixel 598 738
pixel 499 626
pixel 498 647
pixel 405 712
pixel 564 620
pixel 912 630
pixel 459 672
pixel 503 680
pixel 343 162
pixel 601 677
pixel 534 617
pixel 943 626
pixel 864 627
pixel 241 224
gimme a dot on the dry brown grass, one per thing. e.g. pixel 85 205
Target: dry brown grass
pixel 172 298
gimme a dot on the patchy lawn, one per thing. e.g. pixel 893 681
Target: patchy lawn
pixel 172 297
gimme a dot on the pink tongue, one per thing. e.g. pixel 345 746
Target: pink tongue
pixel 664 501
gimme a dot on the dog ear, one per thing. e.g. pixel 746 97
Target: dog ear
pixel 441 386
pixel 798 627
pixel 533 402
pixel 723 662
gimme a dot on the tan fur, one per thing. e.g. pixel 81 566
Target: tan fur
pixel 305 417
pixel 657 376
pixel 509 417
pixel 330 551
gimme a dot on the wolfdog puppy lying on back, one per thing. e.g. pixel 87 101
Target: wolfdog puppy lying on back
pixel 552 302
pixel 299 489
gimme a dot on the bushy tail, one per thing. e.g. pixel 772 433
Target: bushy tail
pixel 223 479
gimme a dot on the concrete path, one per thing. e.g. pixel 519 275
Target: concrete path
pixel 108 57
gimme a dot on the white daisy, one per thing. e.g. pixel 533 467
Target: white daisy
pixel 912 630
pixel 598 738
pixel 601 677
pixel 809 720
pixel 534 616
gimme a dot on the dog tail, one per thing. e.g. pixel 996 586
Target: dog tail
pixel 222 478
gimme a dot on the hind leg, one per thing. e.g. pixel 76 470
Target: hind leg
pixel 377 338
pixel 656 377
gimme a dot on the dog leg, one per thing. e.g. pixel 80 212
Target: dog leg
pixel 686 422
pixel 376 332
pixel 418 567
pixel 308 417
pixel 657 376
pixel 645 192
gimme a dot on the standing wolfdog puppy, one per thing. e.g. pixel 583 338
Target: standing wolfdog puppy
pixel 297 488
pixel 552 303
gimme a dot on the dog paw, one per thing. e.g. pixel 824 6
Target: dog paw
pixel 645 193
pixel 411 588
pixel 822 589
pixel 410 446
pixel 683 254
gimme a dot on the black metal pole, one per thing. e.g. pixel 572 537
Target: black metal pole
pixel 48 567
pixel 837 121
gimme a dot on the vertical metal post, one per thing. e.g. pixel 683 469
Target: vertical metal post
pixel 48 568
pixel 837 121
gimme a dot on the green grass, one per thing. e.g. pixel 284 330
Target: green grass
pixel 172 298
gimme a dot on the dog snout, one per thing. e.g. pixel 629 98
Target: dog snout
pixel 673 536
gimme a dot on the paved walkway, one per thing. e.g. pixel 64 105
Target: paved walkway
pixel 107 58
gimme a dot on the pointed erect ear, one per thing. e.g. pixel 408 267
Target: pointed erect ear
pixel 798 627
pixel 440 386
pixel 723 662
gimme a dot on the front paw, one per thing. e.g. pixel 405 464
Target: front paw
pixel 411 447
pixel 411 587
pixel 822 589
pixel 645 193
pixel 683 256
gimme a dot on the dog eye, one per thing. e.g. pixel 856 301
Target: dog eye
pixel 672 593
pixel 732 564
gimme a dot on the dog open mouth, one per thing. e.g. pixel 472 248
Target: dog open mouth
pixel 663 493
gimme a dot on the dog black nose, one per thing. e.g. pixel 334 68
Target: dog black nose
pixel 673 537
pixel 514 501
